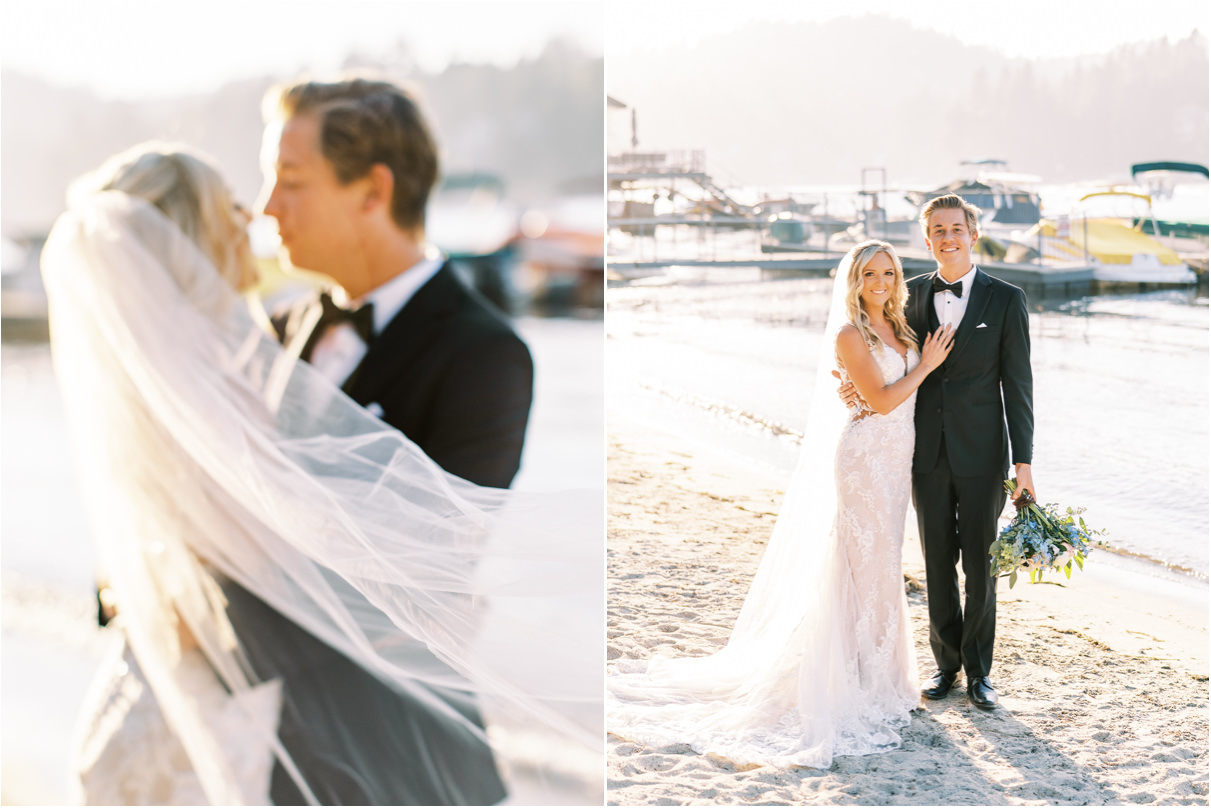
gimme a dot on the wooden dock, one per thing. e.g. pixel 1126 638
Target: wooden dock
pixel 1041 281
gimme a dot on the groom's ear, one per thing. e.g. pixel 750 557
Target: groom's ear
pixel 380 188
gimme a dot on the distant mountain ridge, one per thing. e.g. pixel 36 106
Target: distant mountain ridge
pixel 783 104
pixel 538 125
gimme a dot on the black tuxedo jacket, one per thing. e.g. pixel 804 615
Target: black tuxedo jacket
pixel 449 372
pixel 981 397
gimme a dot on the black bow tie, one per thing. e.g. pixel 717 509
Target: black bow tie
pixel 361 318
pixel 940 285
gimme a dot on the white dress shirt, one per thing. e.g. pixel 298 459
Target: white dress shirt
pixel 339 350
pixel 950 309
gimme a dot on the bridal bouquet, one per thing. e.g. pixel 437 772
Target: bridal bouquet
pixel 1041 538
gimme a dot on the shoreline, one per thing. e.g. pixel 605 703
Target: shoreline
pixel 717 361
pixel 1103 678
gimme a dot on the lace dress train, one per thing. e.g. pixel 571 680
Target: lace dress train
pixel 127 754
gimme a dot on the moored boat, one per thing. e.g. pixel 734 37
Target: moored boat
pixel 1113 243
pixel 1008 200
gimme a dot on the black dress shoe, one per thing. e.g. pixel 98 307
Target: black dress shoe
pixel 980 691
pixel 938 685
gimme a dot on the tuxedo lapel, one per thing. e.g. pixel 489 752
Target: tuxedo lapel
pixel 981 293
pixel 931 311
pixel 924 313
pixel 405 337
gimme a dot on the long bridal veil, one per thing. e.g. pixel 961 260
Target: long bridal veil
pixel 204 449
pixel 782 691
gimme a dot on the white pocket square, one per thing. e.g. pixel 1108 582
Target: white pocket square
pixel 981 325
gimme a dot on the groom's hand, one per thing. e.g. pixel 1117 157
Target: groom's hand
pixel 847 392
pixel 1025 481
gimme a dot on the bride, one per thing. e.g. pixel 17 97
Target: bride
pixel 207 455
pixel 820 662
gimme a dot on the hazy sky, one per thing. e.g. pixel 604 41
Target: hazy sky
pixel 1031 28
pixel 141 48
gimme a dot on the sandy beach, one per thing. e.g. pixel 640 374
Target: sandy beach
pixel 1103 678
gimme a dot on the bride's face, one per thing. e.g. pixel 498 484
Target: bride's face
pixel 878 281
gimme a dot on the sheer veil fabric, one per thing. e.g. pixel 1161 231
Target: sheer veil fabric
pixel 785 690
pixel 205 451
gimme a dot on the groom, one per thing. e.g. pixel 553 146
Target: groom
pixel 349 168
pixel 974 415
pixel 352 164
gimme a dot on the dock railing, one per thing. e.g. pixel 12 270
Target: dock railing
pixel 677 161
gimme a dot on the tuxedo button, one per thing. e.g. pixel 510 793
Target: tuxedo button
pixel 939 409
pixel 946 381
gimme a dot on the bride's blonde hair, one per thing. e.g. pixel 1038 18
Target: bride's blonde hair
pixel 893 307
pixel 185 186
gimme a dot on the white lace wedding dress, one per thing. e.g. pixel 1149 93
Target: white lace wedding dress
pixel 127 754
pixel 838 676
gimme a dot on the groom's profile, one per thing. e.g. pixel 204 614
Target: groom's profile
pixel 349 167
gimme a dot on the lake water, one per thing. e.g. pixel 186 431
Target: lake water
pixel 726 360
pixel 50 643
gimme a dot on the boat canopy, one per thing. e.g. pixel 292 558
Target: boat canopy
pixel 1144 197
pixel 1193 168
pixel 985 161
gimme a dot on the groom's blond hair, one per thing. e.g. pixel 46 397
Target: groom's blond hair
pixel 951 202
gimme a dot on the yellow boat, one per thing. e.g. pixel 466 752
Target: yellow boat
pixel 1114 246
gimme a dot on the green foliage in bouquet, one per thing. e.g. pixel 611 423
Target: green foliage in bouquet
pixel 1039 538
